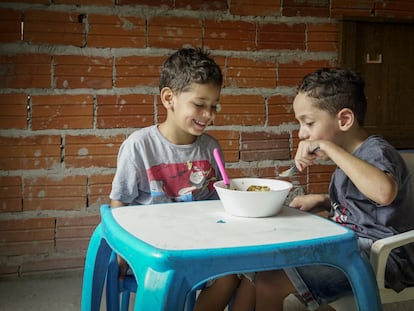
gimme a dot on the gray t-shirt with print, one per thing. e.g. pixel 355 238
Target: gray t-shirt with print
pixel 152 170
pixel 371 221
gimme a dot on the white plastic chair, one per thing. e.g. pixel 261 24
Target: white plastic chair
pixel 379 255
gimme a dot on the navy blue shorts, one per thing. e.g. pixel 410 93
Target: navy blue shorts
pixel 318 285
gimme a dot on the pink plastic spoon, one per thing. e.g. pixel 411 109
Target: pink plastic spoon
pixel 220 164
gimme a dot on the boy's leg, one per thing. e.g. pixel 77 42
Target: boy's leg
pixel 272 287
pixel 217 296
pixel 245 297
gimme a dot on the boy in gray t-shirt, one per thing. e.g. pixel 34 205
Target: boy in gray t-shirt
pixel 173 161
pixel 152 169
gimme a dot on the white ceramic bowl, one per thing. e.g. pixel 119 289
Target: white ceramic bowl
pixel 239 202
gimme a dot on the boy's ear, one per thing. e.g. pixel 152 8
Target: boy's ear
pixel 346 119
pixel 167 97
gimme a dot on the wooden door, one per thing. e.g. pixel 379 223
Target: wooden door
pixel 383 52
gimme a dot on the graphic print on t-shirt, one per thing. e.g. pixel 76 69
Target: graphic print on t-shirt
pixel 181 181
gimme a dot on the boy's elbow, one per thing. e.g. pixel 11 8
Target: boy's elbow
pixel 386 197
pixel 115 203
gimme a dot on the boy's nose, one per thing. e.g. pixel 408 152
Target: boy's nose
pixel 209 112
pixel 302 133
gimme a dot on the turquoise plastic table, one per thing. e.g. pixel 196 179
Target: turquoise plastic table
pixel 173 248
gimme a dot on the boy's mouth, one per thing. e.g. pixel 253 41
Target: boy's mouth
pixel 200 123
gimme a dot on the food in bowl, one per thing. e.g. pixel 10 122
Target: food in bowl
pixel 258 188
pixel 238 201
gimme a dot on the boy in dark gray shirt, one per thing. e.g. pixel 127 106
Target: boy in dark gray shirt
pixel 370 190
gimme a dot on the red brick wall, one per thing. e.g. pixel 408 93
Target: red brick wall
pixel 78 76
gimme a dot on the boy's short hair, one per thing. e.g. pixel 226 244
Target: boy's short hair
pixel 187 66
pixel 333 89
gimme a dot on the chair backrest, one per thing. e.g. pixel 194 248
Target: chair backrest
pixel 408 156
pixel 379 255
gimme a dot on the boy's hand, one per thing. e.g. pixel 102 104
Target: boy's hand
pixel 306 154
pixel 310 201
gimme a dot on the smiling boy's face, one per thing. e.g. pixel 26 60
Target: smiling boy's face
pixel 314 123
pixel 190 112
pixel 196 108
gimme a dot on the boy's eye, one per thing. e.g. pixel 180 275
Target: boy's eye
pixel 215 108
pixel 200 106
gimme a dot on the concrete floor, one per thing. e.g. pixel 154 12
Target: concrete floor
pixel 41 294
pixel 63 293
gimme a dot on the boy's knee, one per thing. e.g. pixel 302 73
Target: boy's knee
pixel 275 281
pixel 267 279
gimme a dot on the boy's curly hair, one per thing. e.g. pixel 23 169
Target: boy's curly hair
pixel 333 89
pixel 187 66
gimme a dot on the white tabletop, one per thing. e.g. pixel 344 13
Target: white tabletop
pixel 205 225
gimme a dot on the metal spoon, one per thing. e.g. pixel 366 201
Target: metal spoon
pixel 293 169
pixel 289 172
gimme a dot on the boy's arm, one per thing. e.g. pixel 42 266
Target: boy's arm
pixel 374 183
